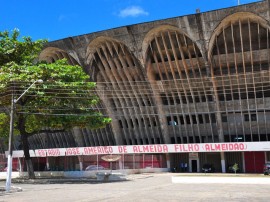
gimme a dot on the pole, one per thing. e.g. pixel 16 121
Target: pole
pixel 10 139
pixel 11 127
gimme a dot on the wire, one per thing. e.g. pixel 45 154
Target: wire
pixel 153 114
pixel 148 82
pixel 172 85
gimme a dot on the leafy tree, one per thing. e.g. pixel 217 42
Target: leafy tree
pixel 64 100
pixel 235 168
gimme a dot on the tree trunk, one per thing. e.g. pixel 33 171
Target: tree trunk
pixel 29 164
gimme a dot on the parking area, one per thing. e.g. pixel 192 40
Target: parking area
pixel 149 187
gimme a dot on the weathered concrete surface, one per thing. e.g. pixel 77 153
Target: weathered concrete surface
pixel 153 78
pixel 151 187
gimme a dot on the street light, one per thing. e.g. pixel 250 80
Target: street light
pixel 10 140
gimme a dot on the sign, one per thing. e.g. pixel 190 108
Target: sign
pixel 149 149
pixel 193 155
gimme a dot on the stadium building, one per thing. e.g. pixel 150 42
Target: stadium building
pixel 182 92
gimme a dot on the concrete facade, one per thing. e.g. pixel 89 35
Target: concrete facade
pixel 190 79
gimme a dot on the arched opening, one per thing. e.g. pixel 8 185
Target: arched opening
pixel 89 137
pixel 124 89
pixel 239 56
pixel 52 54
pixel 177 71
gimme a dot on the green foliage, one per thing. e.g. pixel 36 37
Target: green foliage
pixel 235 167
pixel 16 51
pixel 62 101
pixel 4 123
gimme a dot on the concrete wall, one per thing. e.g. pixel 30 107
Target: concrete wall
pixel 175 69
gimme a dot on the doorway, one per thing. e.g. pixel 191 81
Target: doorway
pixel 194 167
pixel 254 162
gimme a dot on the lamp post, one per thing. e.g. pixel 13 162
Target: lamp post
pixel 10 139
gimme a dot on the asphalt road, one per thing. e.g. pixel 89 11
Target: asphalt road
pixel 148 188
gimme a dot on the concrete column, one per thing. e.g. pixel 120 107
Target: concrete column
pixel 78 136
pixel 268 1
pixel 223 166
pixel 168 161
pixel 117 131
pixel 20 164
pixel 80 158
pixel 243 162
pixel 190 165
pixel 81 166
pixel 47 163
pixel 120 164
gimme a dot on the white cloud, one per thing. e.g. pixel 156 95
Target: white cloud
pixel 133 11
pixel 62 18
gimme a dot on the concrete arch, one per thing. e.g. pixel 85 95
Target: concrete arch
pixel 231 19
pixel 52 54
pixel 113 47
pixel 173 62
pixel 118 70
pixel 238 52
pixel 91 48
pixel 151 34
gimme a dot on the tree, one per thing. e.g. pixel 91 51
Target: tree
pixel 64 100
pixel 235 168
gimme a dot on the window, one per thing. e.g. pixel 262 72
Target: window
pixel 253 117
pixel 194 120
pixel 200 118
pixel 213 118
pixel 172 140
pixel 113 105
pixel 154 122
pixel 121 124
pixel 126 123
pixel 172 122
pixel 207 120
pixel 148 122
pixel 164 99
pixel 142 121
pixel 182 122
pixel 187 119
pixel 224 118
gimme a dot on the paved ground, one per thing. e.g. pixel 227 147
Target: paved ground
pixel 148 188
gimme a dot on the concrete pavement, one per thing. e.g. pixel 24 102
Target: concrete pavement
pixel 147 187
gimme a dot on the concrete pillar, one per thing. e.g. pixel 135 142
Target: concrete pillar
pixel 44 139
pixel 78 137
pixel 81 166
pixel 120 164
pixel 117 131
pixel 168 161
pixel 268 1
pixel 47 163
pixel 243 162
pixel 223 166
pixel 20 164
pixel 80 158
pixel 190 165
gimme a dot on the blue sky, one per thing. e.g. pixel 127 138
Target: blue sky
pixel 57 19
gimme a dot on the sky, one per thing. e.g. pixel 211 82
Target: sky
pixel 58 19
